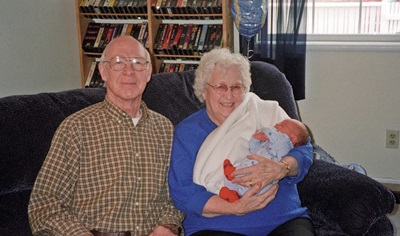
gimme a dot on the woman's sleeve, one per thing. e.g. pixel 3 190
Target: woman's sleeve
pixel 303 155
pixel 187 196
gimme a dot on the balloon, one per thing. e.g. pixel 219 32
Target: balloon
pixel 249 16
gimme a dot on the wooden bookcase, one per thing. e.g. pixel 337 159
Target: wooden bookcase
pixel 153 20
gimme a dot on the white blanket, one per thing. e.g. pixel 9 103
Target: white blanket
pixel 231 139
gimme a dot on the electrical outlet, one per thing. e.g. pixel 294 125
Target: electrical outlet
pixel 392 138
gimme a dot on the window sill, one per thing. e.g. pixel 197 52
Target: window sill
pixel 369 43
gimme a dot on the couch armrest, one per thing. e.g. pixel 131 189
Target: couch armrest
pixel 341 199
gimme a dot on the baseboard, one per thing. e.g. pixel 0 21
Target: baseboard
pixel 387 181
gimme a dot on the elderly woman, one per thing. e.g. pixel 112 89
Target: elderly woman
pixel 222 82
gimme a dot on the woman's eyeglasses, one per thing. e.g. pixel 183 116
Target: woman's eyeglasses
pixel 222 88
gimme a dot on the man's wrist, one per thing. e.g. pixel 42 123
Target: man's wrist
pixel 175 229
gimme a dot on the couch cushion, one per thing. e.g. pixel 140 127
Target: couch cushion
pixel 343 200
pixel 28 123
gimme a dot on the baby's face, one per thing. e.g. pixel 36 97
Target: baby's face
pixel 286 127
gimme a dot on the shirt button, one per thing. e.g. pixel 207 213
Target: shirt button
pixel 137 155
pixel 137 227
pixel 119 121
pixel 137 203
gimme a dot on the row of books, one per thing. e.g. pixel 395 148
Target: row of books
pixel 98 35
pixel 175 67
pixel 187 39
pixel 186 8
pixel 165 9
pixel 93 79
pixel 114 9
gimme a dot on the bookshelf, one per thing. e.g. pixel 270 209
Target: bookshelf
pixel 153 13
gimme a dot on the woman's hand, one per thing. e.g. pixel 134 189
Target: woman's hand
pixel 266 171
pixel 249 202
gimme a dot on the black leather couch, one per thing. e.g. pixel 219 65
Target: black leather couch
pixel 340 201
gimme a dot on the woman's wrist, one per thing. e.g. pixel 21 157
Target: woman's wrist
pixel 286 166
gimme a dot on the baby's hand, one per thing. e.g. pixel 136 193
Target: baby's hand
pixel 260 136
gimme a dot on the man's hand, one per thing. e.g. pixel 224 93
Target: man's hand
pixel 165 230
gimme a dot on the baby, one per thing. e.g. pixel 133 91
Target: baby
pixel 273 143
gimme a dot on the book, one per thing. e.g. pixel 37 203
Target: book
pixel 168 6
pixel 164 9
pixel 202 38
pixel 189 48
pixel 109 36
pixel 129 29
pixel 124 29
pixel 146 41
pixel 209 38
pixel 166 67
pixel 90 74
pixel 178 8
pixel 158 9
pixel 196 41
pixel 118 30
pixel 143 28
pixel 173 6
pixel 187 39
pixel 90 37
pixel 161 40
pixel 171 39
pixel 96 8
pixel 143 5
pixel 90 6
pixel 83 7
pixel 115 7
pixel 101 46
pixel 102 8
pixel 175 42
pixel 168 34
pixel 218 37
pixel 182 38
pixel 161 69
pixel 158 35
pixel 96 80
pixel 99 37
pixel 136 30
pixel 182 67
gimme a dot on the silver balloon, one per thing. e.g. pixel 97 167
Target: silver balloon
pixel 249 16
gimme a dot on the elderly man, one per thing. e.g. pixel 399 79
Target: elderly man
pixel 106 170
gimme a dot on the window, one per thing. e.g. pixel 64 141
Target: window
pixel 355 24
pixel 369 17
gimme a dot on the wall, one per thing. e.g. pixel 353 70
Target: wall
pixel 352 97
pixel 39 47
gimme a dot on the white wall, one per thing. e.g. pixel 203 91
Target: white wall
pixel 38 46
pixel 352 97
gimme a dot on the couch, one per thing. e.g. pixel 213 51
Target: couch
pixel 340 201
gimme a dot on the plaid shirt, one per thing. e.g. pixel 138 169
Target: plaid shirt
pixel 104 173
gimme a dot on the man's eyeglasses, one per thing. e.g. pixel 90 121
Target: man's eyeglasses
pixel 222 88
pixel 119 63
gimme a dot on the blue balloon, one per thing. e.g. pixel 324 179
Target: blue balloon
pixel 249 16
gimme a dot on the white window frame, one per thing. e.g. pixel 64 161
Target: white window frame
pixel 353 42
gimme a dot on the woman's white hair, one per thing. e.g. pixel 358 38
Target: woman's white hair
pixel 220 58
